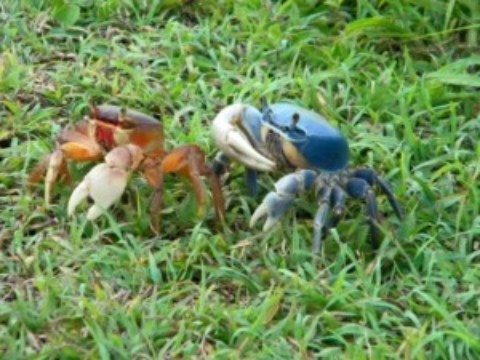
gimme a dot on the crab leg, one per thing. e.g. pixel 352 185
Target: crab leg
pixel 339 197
pixel 56 163
pixel 51 167
pixel 359 188
pixel 251 181
pixel 106 182
pixel 372 178
pixel 321 216
pixel 189 161
pixel 75 146
pixel 154 177
pixel 277 202
pixel 220 164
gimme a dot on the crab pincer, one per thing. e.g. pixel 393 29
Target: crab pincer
pixel 106 182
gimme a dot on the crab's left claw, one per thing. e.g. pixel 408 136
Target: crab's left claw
pixel 106 182
pixel 235 129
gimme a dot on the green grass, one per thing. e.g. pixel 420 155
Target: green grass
pixel 401 80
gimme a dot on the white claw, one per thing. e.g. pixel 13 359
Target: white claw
pixel 234 143
pixel 242 150
pixel 78 195
pixel 260 211
pixel 94 212
pixel 269 224
pixel 105 183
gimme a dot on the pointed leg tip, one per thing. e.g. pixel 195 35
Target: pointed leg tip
pixel 155 231
pixel 259 213
pixel 317 242
pixel 201 212
pixel 401 215
pixel 269 224
pixel 155 226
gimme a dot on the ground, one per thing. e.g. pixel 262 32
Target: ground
pixel 400 79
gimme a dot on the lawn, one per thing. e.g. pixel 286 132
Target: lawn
pixel 399 78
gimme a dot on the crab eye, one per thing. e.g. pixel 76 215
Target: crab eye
pixel 126 123
pixel 268 116
pixel 295 134
pixel 295 119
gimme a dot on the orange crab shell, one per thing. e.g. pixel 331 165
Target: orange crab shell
pixel 114 126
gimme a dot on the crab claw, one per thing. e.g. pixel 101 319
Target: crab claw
pixel 233 129
pixel 106 182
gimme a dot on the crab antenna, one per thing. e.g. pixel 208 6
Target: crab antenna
pixel 264 102
pixel 295 119
pixel 122 116
pixel 266 110
pixel 93 111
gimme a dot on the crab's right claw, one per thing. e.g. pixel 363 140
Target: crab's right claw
pixel 228 131
pixel 105 183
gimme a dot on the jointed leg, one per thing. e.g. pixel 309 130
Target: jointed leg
pixel 189 161
pixel 154 176
pixel 251 181
pixel 51 167
pixel 200 168
pixel 54 166
pixel 320 220
pixel 360 189
pixel 333 198
pixel 220 164
pixel 372 178
pixel 277 202
pixel 218 168
pixel 339 197
pixel 184 161
pixel 56 163
pixel 218 201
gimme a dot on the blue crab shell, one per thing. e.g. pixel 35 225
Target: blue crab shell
pixel 303 139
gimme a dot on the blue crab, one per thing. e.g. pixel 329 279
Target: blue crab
pixel 315 154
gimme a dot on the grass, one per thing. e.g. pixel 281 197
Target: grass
pixel 399 78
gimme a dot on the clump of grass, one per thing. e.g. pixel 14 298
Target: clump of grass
pixel 400 80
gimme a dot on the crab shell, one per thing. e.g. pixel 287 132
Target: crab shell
pixel 300 138
pixel 284 136
pixel 113 126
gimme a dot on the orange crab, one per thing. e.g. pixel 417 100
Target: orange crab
pixel 126 140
